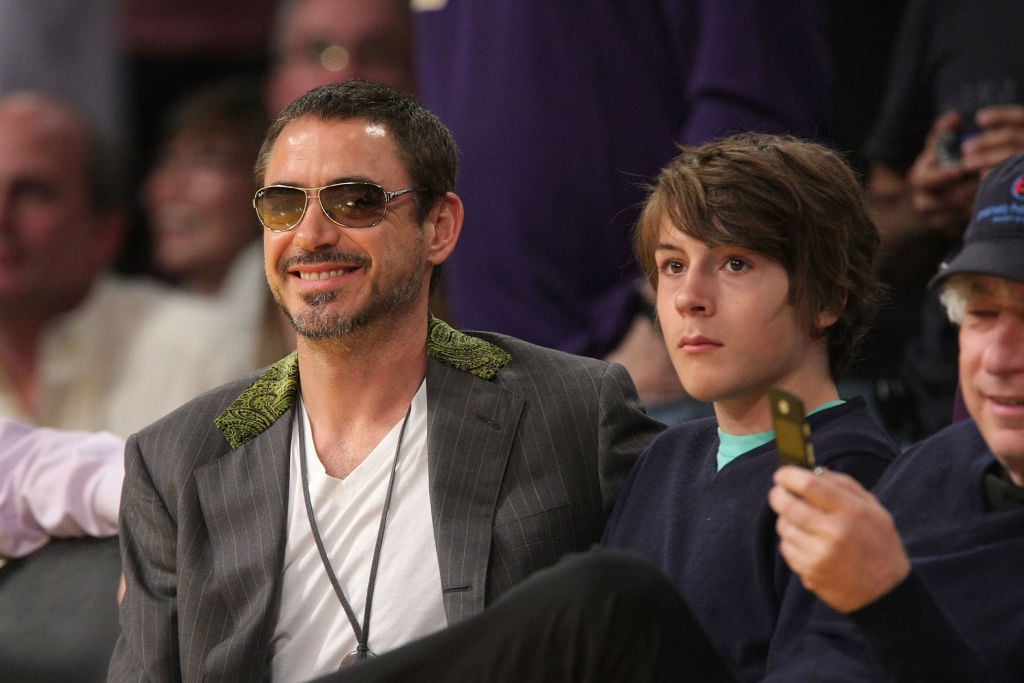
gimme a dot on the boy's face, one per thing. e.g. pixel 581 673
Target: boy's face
pixel 992 367
pixel 730 329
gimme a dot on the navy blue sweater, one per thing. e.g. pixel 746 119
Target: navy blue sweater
pixel 713 533
pixel 960 614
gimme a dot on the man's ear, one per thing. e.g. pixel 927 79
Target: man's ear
pixel 442 232
pixel 826 319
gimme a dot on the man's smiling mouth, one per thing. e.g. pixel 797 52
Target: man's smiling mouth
pixel 324 275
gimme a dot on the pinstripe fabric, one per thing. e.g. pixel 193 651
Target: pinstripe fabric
pixel 523 468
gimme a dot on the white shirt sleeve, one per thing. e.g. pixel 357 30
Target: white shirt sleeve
pixel 56 483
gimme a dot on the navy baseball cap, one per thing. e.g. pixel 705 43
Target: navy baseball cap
pixel 994 240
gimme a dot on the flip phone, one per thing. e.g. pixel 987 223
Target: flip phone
pixel 792 433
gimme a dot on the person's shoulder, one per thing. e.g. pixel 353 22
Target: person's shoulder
pixel 502 358
pixel 552 373
pixel 692 437
pixel 155 302
pixel 523 352
pixel 954 447
pixel 565 384
pixel 938 478
pixel 130 301
pixel 127 290
pixel 214 423
pixel 958 435
pixel 851 426
pixel 700 430
pixel 199 334
pixel 848 439
pixel 201 411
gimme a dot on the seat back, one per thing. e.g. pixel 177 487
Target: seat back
pixel 58 611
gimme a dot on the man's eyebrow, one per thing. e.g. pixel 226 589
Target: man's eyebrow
pixel 979 287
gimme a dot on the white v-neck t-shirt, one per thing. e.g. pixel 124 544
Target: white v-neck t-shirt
pixel 313 633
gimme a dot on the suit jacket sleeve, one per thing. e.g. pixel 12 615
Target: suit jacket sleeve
pixel 148 646
pixel 526 467
pixel 625 431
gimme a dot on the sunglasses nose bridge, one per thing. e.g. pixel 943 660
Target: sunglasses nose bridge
pixel 308 193
pixel 314 193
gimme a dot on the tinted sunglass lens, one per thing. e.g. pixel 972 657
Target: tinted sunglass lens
pixel 356 205
pixel 280 208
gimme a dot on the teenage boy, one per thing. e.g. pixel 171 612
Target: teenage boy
pixel 760 252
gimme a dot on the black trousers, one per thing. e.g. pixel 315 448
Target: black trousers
pixel 603 615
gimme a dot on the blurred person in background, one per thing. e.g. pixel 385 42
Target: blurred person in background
pixel 953 109
pixel 316 42
pixel 56 483
pixel 198 201
pixel 81 348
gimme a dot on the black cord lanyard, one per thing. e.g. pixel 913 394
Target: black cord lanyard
pixel 362 650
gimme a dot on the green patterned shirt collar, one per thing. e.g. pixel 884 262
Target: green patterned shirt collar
pixel 274 391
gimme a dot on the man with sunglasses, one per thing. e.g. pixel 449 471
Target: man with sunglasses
pixel 393 473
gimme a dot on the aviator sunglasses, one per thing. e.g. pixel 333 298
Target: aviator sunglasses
pixel 350 204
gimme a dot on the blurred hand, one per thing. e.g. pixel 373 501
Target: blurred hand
pixel 942 193
pixel 1001 136
pixel 837 537
pixel 888 195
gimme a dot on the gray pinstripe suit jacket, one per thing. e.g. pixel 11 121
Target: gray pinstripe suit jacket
pixel 526 455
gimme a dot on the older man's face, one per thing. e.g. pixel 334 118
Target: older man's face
pixel 52 239
pixel 992 367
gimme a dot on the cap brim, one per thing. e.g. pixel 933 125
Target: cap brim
pixel 1001 258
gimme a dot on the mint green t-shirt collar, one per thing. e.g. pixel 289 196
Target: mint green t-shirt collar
pixel 732 446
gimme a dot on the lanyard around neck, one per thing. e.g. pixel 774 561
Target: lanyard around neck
pixel 362 650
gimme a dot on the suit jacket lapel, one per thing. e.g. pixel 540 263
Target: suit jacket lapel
pixel 244 496
pixel 472 423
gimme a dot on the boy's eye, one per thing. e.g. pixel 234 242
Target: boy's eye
pixel 673 266
pixel 735 265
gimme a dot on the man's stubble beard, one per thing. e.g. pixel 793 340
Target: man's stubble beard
pixel 317 322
